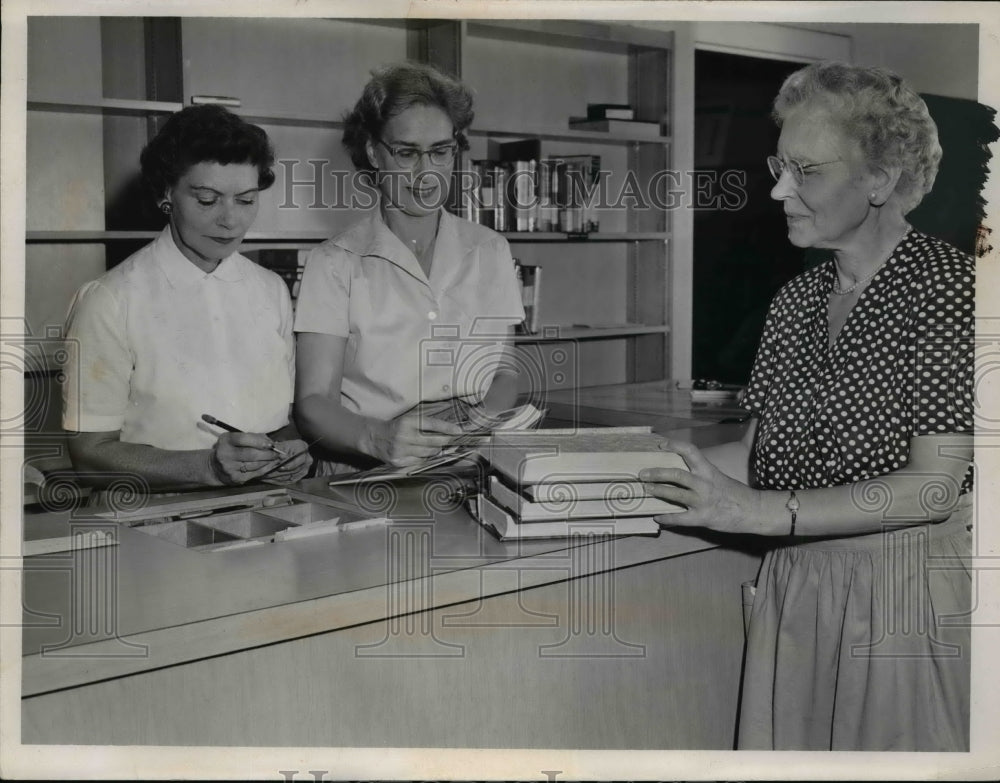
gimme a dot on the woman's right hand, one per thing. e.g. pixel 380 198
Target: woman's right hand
pixel 411 438
pixel 239 457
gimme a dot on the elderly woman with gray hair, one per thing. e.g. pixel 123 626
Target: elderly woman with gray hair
pixel 857 462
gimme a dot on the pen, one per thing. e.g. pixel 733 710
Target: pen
pixel 230 428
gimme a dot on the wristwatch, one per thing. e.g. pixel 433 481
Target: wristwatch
pixel 793 508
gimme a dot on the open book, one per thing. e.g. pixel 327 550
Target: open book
pixel 478 428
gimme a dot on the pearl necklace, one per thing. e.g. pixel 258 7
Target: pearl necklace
pixel 845 291
pixel 836 289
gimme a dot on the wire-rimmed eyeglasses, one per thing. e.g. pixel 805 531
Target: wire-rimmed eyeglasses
pixel 407 157
pixel 777 167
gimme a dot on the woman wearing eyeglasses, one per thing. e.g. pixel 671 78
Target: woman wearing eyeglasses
pixel 857 462
pixel 404 318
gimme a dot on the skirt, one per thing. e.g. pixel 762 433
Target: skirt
pixel 862 643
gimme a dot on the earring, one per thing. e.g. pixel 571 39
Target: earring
pixel 166 208
pixel 871 198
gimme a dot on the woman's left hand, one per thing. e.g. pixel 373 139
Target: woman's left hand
pixel 291 468
pixel 713 500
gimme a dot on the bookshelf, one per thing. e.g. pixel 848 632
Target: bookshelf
pixel 139 70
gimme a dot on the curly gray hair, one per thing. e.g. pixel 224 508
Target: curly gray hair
pixel 877 110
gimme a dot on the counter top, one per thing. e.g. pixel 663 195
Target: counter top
pixel 659 404
pixel 146 602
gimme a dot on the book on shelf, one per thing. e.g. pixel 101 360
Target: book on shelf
pixel 477 194
pixel 484 198
pixel 577 179
pixel 519 161
pixel 499 176
pixel 529 278
pixel 610 111
pixel 517 189
pixel 548 186
pixel 576 455
pixel 569 507
pixel 523 196
pixel 508 528
pixel 647 130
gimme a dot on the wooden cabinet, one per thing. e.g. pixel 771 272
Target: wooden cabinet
pixel 605 300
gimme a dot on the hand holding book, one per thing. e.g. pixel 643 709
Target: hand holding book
pixel 412 437
pixel 455 440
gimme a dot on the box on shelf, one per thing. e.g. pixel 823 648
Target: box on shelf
pixel 610 111
pixel 650 130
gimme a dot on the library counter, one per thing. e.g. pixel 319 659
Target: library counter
pixel 422 630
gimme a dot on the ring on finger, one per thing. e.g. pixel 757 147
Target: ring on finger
pixel 243 467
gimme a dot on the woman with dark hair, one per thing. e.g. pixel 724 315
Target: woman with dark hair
pixel 187 326
pixel 404 320
pixel 858 459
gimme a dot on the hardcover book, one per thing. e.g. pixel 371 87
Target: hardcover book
pixel 581 455
pixel 624 489
pixel 488 513
pixel 569 507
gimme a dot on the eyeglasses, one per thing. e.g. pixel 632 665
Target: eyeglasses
pixel 778 167
pixel 409 157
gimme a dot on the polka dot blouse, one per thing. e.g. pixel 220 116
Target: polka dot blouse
pixel 901 366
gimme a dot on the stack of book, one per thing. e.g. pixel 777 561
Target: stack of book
pixel 559 483
pixel 614 118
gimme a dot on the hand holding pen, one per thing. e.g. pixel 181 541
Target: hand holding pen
pixel 239 457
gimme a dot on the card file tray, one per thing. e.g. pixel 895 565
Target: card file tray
pixel 191 535
pixel 242 529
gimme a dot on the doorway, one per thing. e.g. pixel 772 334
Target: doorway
pixel 741 255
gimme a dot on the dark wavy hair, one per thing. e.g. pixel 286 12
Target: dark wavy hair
pixel 197 134
pixel 876 109
pixel 394 89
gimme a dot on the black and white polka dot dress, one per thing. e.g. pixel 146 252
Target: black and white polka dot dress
pixel 827 665
pixel 901 366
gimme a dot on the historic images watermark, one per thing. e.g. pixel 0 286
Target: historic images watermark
pixel 316 184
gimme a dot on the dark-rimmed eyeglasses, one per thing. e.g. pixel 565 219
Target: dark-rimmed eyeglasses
pixel 777 167
pixel 408 157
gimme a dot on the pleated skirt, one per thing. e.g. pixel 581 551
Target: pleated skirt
pixel 862 643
